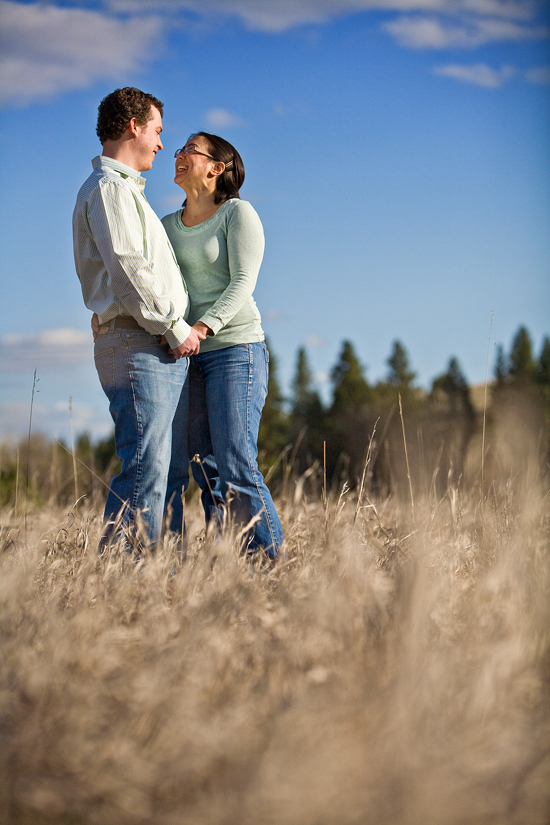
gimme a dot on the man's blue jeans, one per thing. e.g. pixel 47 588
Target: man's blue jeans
pixel 227 391
pixel 144 385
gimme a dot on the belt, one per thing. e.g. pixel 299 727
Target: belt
pixel 127 322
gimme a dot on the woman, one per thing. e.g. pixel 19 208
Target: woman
pixel 219 243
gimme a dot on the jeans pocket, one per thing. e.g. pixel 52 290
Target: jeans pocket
pixel 143 342
pixel 105 366
pixel 139 340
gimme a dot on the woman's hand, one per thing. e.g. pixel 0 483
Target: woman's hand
pixel 190 346
pixel 202 329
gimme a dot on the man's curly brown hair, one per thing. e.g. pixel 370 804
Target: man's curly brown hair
pixel 118 108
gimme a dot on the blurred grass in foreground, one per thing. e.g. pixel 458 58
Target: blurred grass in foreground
pixel 388 671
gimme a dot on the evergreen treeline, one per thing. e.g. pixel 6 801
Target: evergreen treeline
pixel 443 431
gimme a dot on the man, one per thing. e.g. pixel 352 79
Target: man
pixel 130 278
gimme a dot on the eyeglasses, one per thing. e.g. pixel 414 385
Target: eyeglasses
pixel 191 149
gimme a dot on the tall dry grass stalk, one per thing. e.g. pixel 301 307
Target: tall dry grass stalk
pixel 27 473
pixel 73 451
pixel 485 407
pixel 384 672
pixel 406 455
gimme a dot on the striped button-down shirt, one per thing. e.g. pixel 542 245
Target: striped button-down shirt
pixel 123 258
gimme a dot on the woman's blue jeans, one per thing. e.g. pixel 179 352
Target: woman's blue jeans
pixel 227 392
pixel 144 385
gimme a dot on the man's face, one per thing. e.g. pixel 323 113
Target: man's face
pixel 148 141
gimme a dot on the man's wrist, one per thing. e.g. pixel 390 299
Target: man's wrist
pixel 177 334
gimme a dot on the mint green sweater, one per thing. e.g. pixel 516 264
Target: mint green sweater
pixel 219 260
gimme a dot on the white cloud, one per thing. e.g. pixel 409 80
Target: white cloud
pixel 435 33
pixel 53 419
pixel 479 74
pixel 263 15
pixel 52 349
pixel 273 315
pixel 279 15
pixel 281 110
pixel 222 119
pixel 539 75
pixel 314 341
pixel 46 49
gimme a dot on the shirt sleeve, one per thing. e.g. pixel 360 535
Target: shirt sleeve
pixel 245 251
pixel 117 226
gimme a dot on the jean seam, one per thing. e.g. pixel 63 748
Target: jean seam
pixel 108 356
pixel 250 462
pixel 139 430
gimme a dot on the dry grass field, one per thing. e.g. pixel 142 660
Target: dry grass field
pixel 393 669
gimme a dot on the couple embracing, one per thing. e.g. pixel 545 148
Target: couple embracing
pixel 179 346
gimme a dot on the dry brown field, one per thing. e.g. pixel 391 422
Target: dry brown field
pixel 392 668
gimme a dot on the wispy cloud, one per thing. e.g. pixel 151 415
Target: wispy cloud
pixel 435 33
pixel 52 349
pixel 273 315
pixel 314 341
pixel 52 419
pixel 222 119
pixel 279 15
pixel 46 49
pixel 479 75
pixel 539 75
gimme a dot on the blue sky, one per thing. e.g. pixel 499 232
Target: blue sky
pixel 397 151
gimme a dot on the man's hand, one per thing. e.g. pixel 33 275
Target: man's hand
pixel 96 328
pixel 190 346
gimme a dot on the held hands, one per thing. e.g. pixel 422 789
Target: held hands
pixel 192 343
pixel 190 346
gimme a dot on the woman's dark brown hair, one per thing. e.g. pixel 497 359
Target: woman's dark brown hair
pixel 232 177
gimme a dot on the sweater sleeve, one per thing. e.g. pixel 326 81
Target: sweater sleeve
pixel 245 250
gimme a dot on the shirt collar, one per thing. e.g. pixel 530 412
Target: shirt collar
pixel 122 168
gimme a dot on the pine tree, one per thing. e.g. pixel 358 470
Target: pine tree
pixel 501 365
pixel 307 416
pixel 451 422
pixel 273 434
pixel 351 416
pixel 351 390
pixel 542 376
pixel 455 387
pixel 521 403
pixel 543 364
pixel 522 364
pixel 400 375
pixel 105 454
pixel 301 386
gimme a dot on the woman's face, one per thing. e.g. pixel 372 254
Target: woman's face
pixel 194 163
